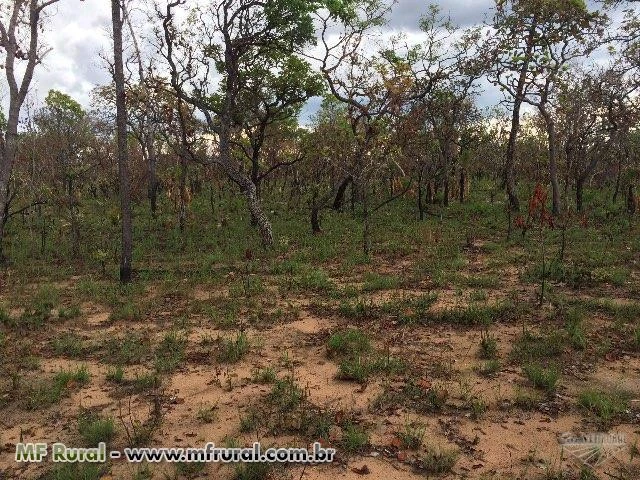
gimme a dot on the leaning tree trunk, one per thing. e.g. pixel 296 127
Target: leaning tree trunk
pixel 121 127
pixel 339 200
pixel 244 182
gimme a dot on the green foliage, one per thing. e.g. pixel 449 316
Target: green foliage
pixel 530 347
pixel 69 344
pixel 374 282
pixel 488 346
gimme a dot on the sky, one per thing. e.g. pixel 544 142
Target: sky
pixel 78 33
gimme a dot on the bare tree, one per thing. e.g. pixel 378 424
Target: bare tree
pixel 20 27
pixel 117 18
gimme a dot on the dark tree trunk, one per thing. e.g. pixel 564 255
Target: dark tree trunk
pixel 463 184
pixel 315 219
pixel 153 177
pixel 429 193
pixel 121 127
pixel 509 167
pixel 420 202
pixel 339 200
pixel 631 200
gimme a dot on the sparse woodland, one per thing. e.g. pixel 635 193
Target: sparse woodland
pixel 434 286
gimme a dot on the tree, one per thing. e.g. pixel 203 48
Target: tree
pixel 274 92
pixel 64 129
pixel 20 26
pixel 117 19
pixel 230 38
pixel 595 111
pixel 533 43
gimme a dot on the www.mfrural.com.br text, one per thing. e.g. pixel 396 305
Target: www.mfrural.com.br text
pixel 61 453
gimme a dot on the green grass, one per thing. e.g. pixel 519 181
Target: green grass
pixel 489 368
pixel 253 471
pixel 265 375
pixel 69 345
pixel 94 429
pixel 286 395
pixel 47 393
pixel 130 349
pixel 374 282
pixel 207 413
pixel 604 405
pixel 115 375
pixel 530 347
pixel 169 354
pixel 545 378
pixel 69 313
pixel 348 343
pixel 315 280
pixel 527 399
pixel 233 350
pixel 125 311
pixel 75 471
pixel 488 346
pixel 482 281
pixel 355 439
pixel 412 435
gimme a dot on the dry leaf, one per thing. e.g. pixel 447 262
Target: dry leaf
pixel 364 470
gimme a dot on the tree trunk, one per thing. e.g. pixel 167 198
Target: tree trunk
pixel 182 212
pixel 315 215
pixel 509 167
pixel 631 200
pixel 420 202
pixel 463 184
pixel 553 166
pixel 339 200
pixel 579 194
pixel 153 177
pixel 429 193
pixel 121 127
pixel 366 240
